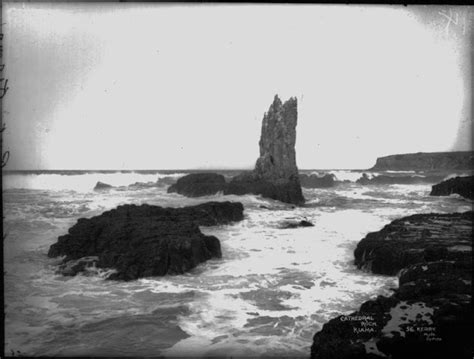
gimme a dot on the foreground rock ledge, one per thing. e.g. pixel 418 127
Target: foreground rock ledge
pixel 428 316
pixel 416 239
pixel 143 241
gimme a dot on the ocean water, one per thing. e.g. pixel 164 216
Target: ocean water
pixel 270 293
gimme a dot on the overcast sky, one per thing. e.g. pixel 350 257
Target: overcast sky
pixel 128 86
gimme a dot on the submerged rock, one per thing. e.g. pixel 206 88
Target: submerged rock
pixel 199 184
pixel 314 181
pixel 166 181
pixel 100 186
pixel 430 314
pixel 463 186
pixel 73 267
pixel 384 179
pixel 295 224
pixel 143 241
pixel 142 185
pixel 275 175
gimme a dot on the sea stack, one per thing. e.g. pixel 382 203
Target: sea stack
pixel 277 159
pixel 276 174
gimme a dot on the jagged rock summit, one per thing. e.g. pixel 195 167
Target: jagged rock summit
pixel 276 174
pixel 277 142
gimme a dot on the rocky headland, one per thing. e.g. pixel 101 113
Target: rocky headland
pixel 434 161
pixel 142 241
pixel 430 314
pixel 275 175
pixel 463 186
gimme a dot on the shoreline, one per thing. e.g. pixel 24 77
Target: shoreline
pixel 430 311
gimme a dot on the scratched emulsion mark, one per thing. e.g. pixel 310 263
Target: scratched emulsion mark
pixel 455 20
pixel 3 91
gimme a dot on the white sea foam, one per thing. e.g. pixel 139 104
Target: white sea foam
pixel 79 182
pixel 268 295
pixel 351 176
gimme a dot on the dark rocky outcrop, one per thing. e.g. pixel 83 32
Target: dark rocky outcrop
pixel 426 161
pixel 384 179
pixel 430 314
pixel 314 181
pixel 296 224
pixel 100 186
pixel 463 186
pixel 275 175
pixel 199 184
pixel 282 190
pixel 416 239
pixel 143 241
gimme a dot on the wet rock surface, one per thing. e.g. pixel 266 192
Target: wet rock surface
pixel 416 239
pixel 463 186
pixel 314 181
pixel 100 186
pixel 288 191
pixel 296 224
pixel 73 267
pixel 199 184
pixel 160 182
pixel 430 314
pixel 143 241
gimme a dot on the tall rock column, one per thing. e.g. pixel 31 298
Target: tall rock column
pixel 276 174
pixel 277 142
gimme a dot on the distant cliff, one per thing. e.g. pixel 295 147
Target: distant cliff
pixel 434 161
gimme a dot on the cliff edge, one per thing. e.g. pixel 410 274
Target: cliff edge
pixel 434 161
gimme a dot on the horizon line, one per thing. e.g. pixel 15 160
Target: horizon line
pixel 169 169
